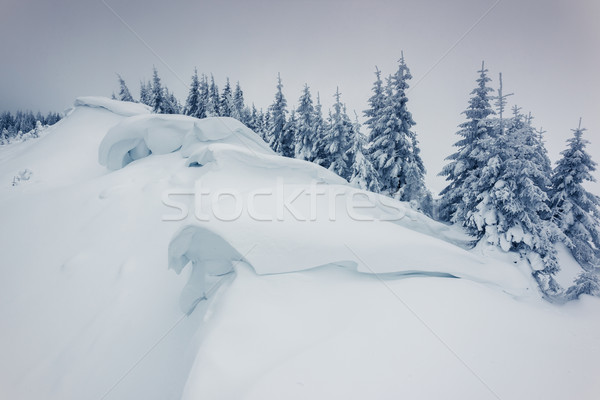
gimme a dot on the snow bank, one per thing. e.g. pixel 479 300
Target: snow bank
pixel 226 156
pixel 124 108
pixel 139 136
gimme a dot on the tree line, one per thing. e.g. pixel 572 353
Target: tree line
pixel 501 184
pixel 23 124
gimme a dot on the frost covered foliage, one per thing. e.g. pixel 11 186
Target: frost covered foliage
pixel 24 125
pixel 574 209
pixel 364 175
pixel 279 138
pixel 337 140
pixel 512 202
pixel 466 163
pixel 586 283
pixel 124 93
pixel 394 149
pixel 306 138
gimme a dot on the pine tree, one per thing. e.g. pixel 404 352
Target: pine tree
pixel 279 142
pixel 320 145
pixel 226 105
pixel 157 99
pixel 586 283
pixel 240 112
pixel 364 175
pixel 575 210
pixel 212 109
pixel 337 137
pixel 204 98
pixel 511 199
pixel 192 104
pixel 124 94
pixel 306 136
pixel 290 132
pixel 145 93
pixel 412 172
pixel 376 106
pixel 465 162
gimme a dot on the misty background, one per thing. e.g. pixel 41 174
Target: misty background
pixel 547 51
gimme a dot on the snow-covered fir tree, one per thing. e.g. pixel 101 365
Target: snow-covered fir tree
pixel 364 175
pixel 511 199
pixel 457 201
pixel 157 95
pixel 226 105
pixel 214 100
pixel 587 282
pixel 306 137
pixel 240 111
pixel 338 140
pixel 392 137
pixel 124 94
pixel 413 189
pixel 145 93
pixel 170 104
pixel 575 210
pixel 276 133
pixel 265 133
pixel 290 133
pixel 320 145
pixel 192 103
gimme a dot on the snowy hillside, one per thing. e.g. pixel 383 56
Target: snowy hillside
pixel 155 256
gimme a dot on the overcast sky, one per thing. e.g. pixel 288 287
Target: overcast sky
pixel 547 50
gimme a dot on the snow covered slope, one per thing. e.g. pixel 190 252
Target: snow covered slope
pixel 161 257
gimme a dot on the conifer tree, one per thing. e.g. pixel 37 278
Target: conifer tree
pixel 337 139
pixel 320 145
pixel 124 94
pixel 364 175
pixel 192 104
pixel 145 93
pixel 512 201
pixel 214 100
pixel 157 99
pixel 306 136
pixel 278 140
pixel 575 210
pixel 226 105
pixel 466 160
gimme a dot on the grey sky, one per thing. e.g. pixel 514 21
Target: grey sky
pixel 548 52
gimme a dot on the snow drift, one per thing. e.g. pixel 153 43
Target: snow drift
pixel 144 280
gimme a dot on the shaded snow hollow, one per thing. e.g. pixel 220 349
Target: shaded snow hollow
pixel 310 300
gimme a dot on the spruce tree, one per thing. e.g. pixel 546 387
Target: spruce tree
pixel 212 109
pixel 364 175
pixel 320 144
pixel 575 210
pixel 124 94
pixel 511 199
pixel 192 103
pixel 290 133
pixel 145 93
pixel 278 140
pixel 306 136
pixel 240 112
pixel 204 98
pixel 226 105
pixel 157 96
pixel 466 161
pixel 337 139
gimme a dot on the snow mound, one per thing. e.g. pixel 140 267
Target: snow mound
pixel 124 108
pixel 226 155
pixel 139 136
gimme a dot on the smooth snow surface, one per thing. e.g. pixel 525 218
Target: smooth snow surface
pixel 280 281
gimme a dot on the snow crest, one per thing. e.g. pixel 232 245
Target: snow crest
pixel 141 135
